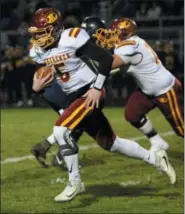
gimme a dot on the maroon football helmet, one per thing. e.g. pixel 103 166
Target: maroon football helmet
pixel 119 30
pixel 125 26
pixel 46 27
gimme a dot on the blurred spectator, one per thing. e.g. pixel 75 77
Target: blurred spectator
pixel 159 51
pixel 31 4
pixel 73 16
pixel 129 9
pixel 141 12
pixel 119 90
pixel 171 60
pixel 3 40
pixel 17 68
pixel 24 74
pixel 9 18
pixel 23 37
pixel 71 21
pixel 155 11
pixel 8 77
pixel 41 4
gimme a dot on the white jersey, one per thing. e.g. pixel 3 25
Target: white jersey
pixel 74 73
pixel 149 73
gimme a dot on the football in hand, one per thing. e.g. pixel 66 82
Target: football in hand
pixel 43 72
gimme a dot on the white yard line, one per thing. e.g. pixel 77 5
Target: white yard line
pixel 90 146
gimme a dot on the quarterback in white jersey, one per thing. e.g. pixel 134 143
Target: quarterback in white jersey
pixel 62 49
pixel 157 87
pixel 57 98
pixel 71 71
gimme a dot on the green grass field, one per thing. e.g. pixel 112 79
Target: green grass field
pixel 114 184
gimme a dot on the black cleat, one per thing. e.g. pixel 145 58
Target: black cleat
pixel 40 150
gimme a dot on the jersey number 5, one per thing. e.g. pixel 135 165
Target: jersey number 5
pixel 153 53
pixel 64 77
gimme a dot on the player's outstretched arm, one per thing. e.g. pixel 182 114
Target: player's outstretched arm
pixel 117 62
pixel 103 57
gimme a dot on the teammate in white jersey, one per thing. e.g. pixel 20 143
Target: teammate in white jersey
pixel 63 49
pixel 157 87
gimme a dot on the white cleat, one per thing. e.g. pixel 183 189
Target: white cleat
pixel 159 146
pixel 72 189
pixel 163 164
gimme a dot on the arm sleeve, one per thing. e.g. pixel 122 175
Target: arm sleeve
pixel 103 57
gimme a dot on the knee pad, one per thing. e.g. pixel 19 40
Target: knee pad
pixel 70 141
pixel 67 144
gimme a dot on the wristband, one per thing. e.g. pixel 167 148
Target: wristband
pixel 99 81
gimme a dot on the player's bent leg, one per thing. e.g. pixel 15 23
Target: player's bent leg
pixel 58 159
pixel 171 105
pixel 157 142
pixel 136 109
pixel 106 138
pixel 157 158
pixel 40 150
pixel 68 121
pixel 69 151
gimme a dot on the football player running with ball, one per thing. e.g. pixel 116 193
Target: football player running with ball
pixel 57 99
pixel 157 87
pixel 62 50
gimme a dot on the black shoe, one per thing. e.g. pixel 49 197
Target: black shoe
pixel 40 150
pixel 58 161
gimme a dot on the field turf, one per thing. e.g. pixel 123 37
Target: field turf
pixel 114 184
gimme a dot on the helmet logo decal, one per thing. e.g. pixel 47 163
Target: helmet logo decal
pixel 52 17
pixel 124 24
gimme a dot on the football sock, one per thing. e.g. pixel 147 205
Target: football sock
pixel 132 149
pixel 146 127
pixel 71 160
pixel 73 167
pixel 51 139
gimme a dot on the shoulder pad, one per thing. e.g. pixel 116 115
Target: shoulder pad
pixel 127 42
pixel 128 51
pixel 74 37
pixel 74 32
